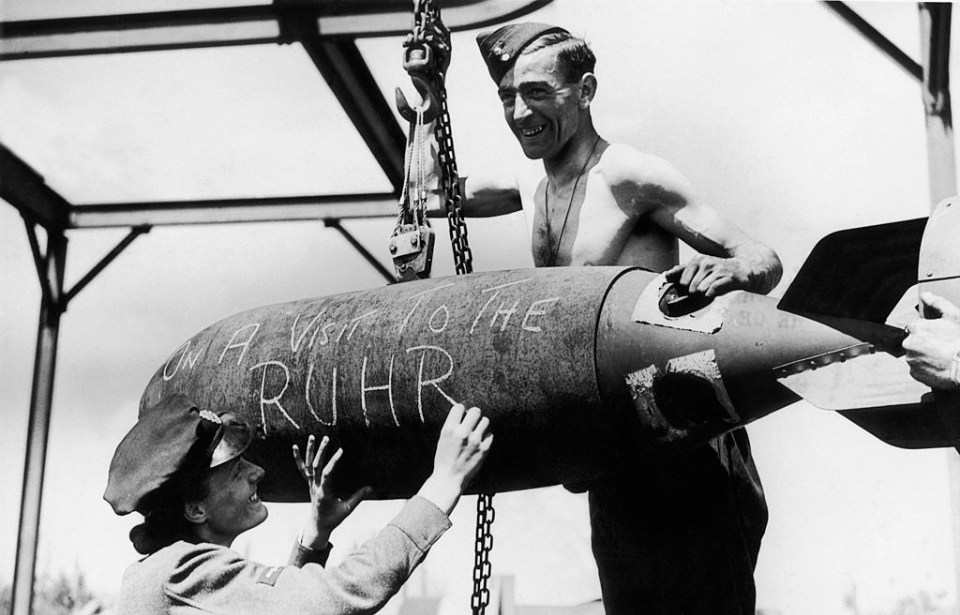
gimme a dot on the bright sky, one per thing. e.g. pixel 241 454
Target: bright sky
pixel 789 121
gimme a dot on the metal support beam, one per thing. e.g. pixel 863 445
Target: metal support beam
pixel 242 25
pixel 874 36
pixel 106 260
pixel 38 259
pixel 38 428
pixel 359 247
pixel 351 81
pixel 935 47
pixel 26 190
pixel 223 211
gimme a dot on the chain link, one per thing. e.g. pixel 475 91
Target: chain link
pixel 427 10
pixel 481 559
pixel 427 13
pixel 453 199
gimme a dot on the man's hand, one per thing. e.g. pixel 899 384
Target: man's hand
pixel 710 276
pixel 463 446
pixel 932 345
pixel 326 510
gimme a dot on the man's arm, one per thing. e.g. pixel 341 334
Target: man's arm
pixel 484 195
pixel 729 259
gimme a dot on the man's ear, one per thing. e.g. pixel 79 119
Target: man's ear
pixel 588 89
pixel 194 512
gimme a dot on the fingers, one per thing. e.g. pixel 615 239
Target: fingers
pixel 479 432
pixel 454 417
pixel 673 274
pixel 308 464
pixel 486 443
pixel 327 469
pixel 323 445
pixel 689 275
pixel 360 495
pixel 301 466
pixel 686 272
pixel 470 420
pixel 718 285
pixel 464 423
pixel 475 432
pixel 710 275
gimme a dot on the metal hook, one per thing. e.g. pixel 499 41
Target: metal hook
pixel 416 60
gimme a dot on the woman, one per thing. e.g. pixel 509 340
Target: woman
pixel 183 469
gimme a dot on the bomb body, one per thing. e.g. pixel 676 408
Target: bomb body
pixel 578 369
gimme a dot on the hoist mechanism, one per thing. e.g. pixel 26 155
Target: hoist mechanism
pixel 412 242
pixel 426 58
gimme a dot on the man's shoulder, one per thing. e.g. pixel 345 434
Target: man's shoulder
pixel 625 164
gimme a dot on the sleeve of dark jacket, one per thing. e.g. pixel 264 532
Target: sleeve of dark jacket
pixel 218 580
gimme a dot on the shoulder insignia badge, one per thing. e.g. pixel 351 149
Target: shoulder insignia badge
pixel 270 575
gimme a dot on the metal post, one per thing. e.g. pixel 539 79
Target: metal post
pixel 38 429
pixel 942 164
pixel 935 47
pixel 359 247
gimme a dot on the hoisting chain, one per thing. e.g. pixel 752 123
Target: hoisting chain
pixel 453 199
pixel 427 13
pixel 481 553
pixel 427 19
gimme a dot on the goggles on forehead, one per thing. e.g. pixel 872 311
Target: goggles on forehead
pixel 232 438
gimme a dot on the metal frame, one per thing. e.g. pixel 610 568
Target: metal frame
pixel 328 30
pixel 284 21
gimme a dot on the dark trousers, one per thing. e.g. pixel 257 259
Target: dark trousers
pixel 681 537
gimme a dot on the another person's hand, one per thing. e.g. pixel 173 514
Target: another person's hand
pixel 326 510
pixel 463 446
pixel 710 275
pixel 932 344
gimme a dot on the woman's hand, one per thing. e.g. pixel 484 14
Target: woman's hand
pixel 462 448
pixel 326 510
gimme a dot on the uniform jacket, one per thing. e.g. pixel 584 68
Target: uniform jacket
pixel 207 578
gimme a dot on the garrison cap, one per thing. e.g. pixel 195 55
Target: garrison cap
pixel 501 47
pixel 166 438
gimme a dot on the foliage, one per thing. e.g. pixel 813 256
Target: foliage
pixel 920 603
pixel 60 594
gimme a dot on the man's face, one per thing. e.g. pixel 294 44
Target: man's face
pixel 540 106
pixel 233 505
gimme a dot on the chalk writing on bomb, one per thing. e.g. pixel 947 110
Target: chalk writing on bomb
pixel 301 364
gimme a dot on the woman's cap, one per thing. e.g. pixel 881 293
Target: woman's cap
pixel 501 47
pixel 165 438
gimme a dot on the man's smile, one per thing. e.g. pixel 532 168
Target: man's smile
pixel 532 132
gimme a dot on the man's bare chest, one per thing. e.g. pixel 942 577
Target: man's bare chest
pixel 584 227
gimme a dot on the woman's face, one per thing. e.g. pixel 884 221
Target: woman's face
pixel 232 505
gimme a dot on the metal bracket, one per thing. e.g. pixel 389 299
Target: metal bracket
pixel 822 360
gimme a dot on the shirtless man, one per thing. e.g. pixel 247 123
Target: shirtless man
pixel 681 536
